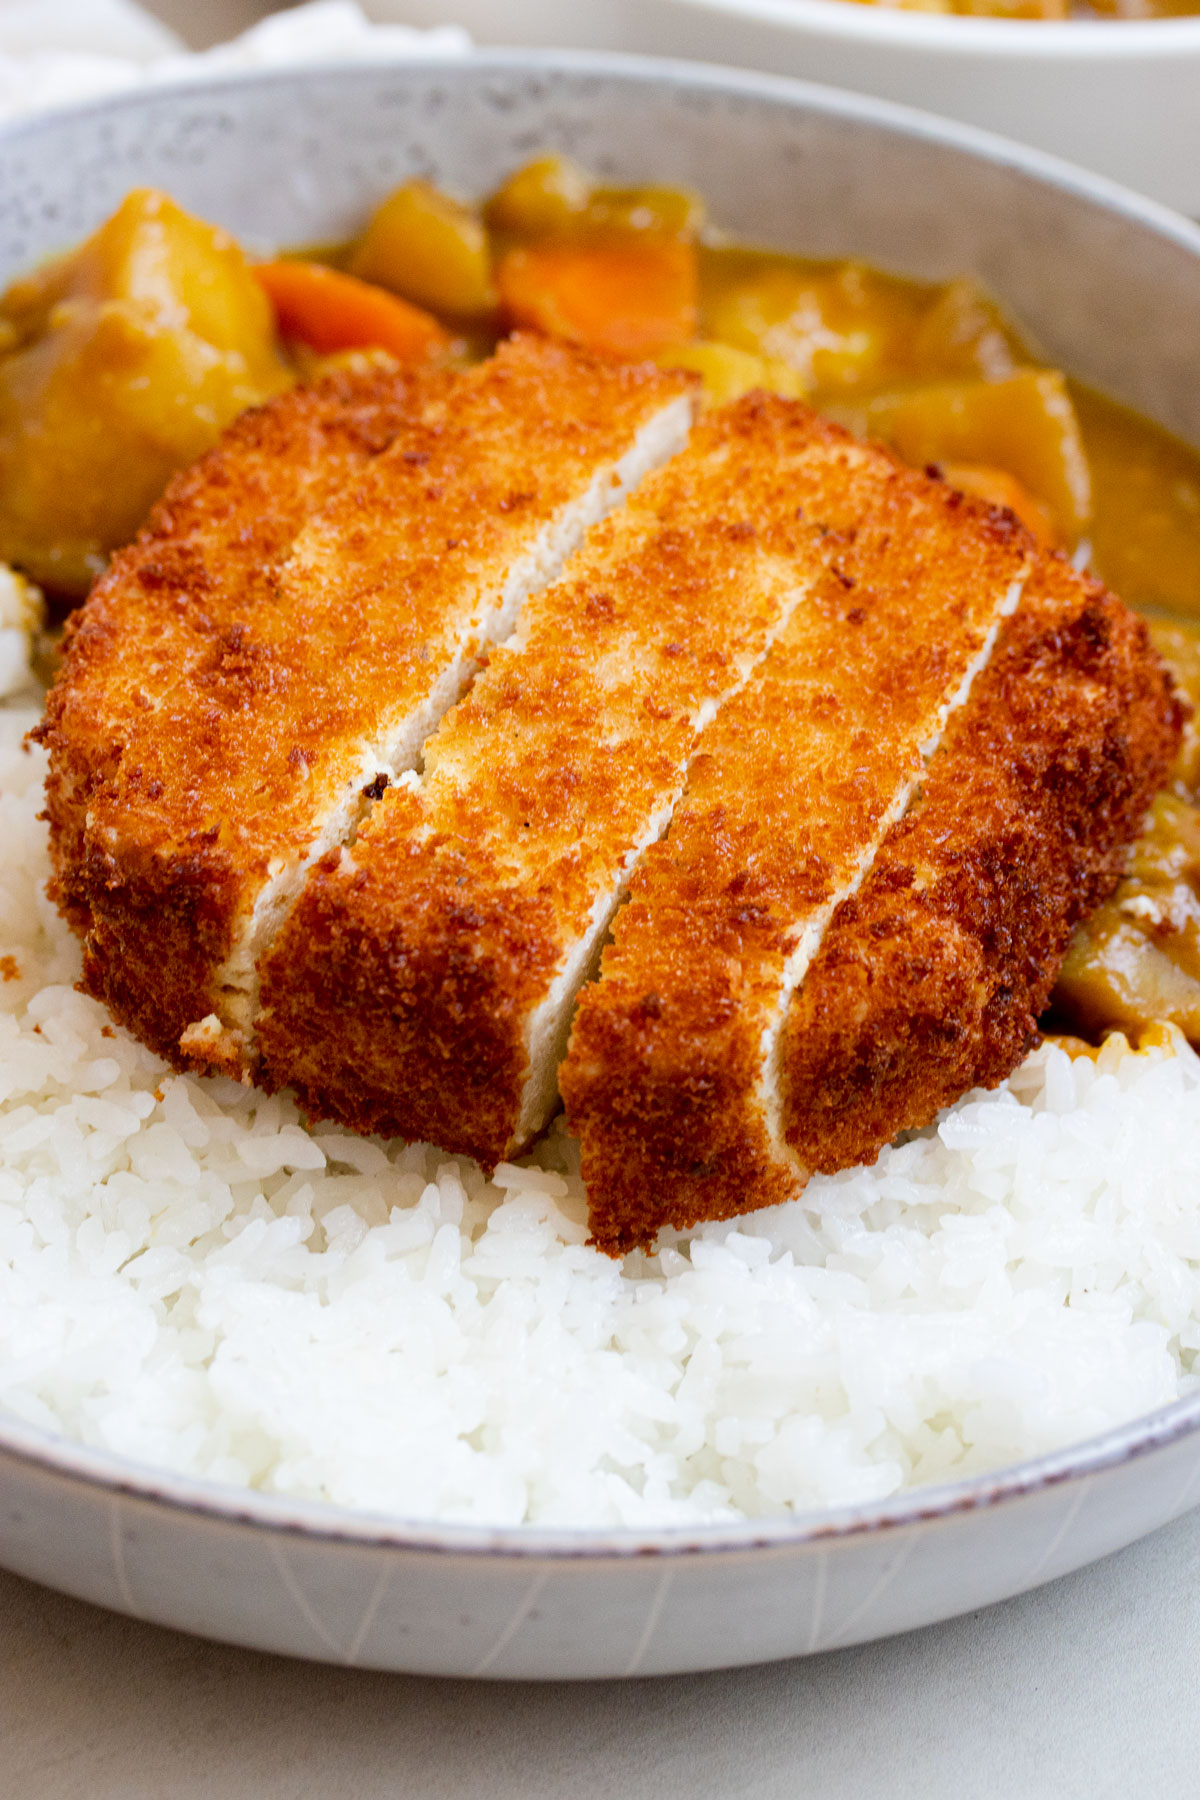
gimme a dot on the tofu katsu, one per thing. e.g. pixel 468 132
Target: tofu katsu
pixel 450 741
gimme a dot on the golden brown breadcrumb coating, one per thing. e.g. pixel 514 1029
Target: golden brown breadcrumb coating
pixel 300 609
pixel 157 666
pixel 932 978
pixel 669 1082
pixel 423 984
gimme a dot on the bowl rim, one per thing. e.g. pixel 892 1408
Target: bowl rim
pixel 52 1454
pixel 1049 40
pixel 108 1473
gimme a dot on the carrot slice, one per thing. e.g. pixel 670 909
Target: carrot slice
pixel 330 311
pixel 999 488
pixel 631 299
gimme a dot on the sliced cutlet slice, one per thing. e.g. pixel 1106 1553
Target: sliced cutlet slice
pixel 931 980
pixel 423 985
pixel 285 685
pixel 144 836
pixel 208 553
pixel 670 1081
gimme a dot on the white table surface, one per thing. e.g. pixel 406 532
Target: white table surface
pixel 1086 1689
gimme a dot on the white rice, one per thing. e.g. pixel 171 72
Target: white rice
pixel 191 1278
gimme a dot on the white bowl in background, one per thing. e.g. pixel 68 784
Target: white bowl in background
pixel 1121 97
pixel 1110 285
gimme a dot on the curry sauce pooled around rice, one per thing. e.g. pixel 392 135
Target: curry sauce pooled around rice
pixel 473 721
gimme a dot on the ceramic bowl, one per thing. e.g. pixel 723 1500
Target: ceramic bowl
pixel 1110 286
pixel 1120 97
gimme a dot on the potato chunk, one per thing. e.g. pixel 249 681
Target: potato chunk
pixel 429 249
pixel 1025 425
pixel 546 198
pixel 728 373
pixel 552 197
pixel 822 324
pixel 128 358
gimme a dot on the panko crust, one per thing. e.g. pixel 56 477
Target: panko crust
pixel 932 978
pixel 431 943
pixel 667 1078
pixel 145 864
pixel 293 596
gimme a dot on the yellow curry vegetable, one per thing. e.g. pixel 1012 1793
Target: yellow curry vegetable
pixel 814 323
pixel 429 249
pixel 999 488
pixel 1025 425
pixel 728 373
pixel 128 357
pixel 329 311
pixel 1138 957
pixel 545 198
pixel 552 197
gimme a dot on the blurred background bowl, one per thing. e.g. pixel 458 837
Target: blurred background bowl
pixel 1121 97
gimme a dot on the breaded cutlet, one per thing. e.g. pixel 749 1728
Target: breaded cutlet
pixel 423 984
pixel 135 830
pixel 207 552
pixel 670 1081
pixel 931 980
pixel 223 705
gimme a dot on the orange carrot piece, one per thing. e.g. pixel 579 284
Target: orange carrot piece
pixel 631 299
pixel 999 488
pixel 330 311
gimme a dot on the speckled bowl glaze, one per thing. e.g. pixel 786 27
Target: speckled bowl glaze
pixel 1110 287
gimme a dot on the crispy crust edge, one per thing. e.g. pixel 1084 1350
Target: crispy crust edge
pixel 158 920
pixel 932 979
